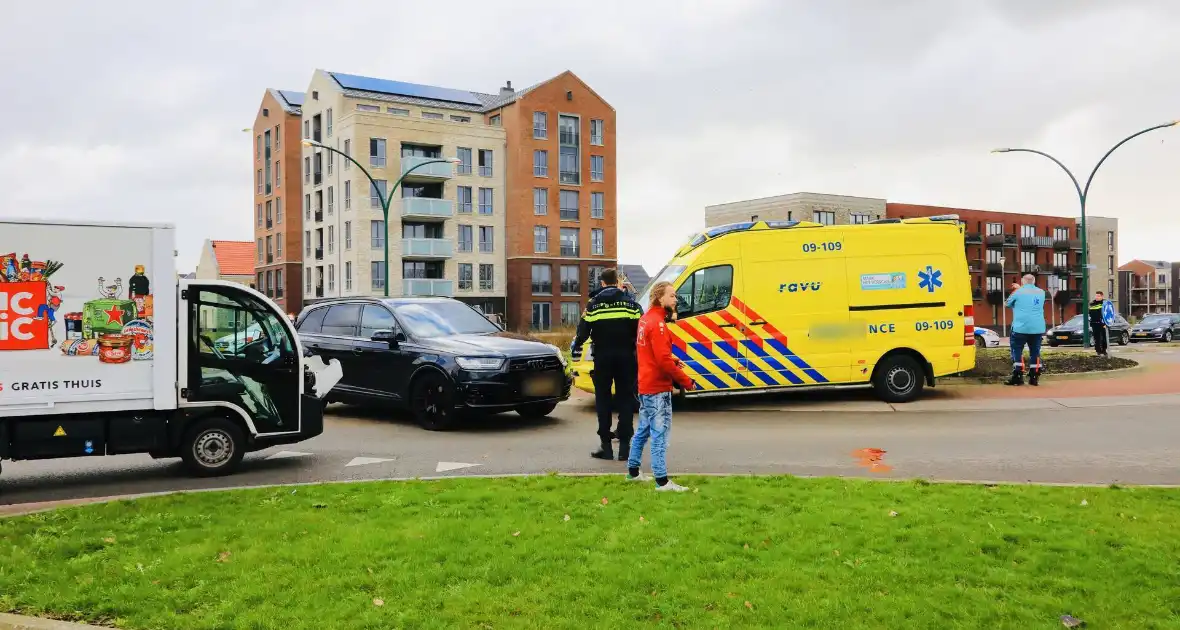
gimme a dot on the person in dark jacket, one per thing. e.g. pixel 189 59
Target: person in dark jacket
pixel 611 322
pixel 1098 325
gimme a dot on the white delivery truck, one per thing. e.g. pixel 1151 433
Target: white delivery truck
pixel 104 350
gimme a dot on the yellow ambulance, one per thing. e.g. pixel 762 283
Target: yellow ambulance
pixel 769 305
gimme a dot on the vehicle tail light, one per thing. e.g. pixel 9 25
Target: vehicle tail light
pixel 969 325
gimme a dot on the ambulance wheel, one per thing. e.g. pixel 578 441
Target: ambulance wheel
pixel 213 447
pixel 898 379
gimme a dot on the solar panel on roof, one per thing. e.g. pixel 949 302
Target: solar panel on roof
pixel 369 84
pixel 294 98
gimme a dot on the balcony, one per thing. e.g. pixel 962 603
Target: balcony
pixel 1064 296
pixel 1030 269
pixel 1062 272
pixel 995 297
pixel 1077 270
pixel 319 215
pixel 976 295
pixel 973 238
pixel 1067 244
pixel 1001 240
pixel 270 259
pixel 319 253
pixel 319 291
pixel 428 287
pixel 427 248
pixel 269 224
pixel 570 177
pixel 426 208
pixel 1034 242
pixel 431 172
pixel 318 178
pixel 975 266
pixel 999 269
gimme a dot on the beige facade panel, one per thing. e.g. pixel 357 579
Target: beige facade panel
pixel 836 209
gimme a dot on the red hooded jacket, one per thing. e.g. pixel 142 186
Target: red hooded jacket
pixel 658 369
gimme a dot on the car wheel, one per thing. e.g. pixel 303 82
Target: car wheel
pixel 898 379
pixel 1125 338
pixel 536 411
pixel 432 403
pixel 1167 336
pixel 980 343
pixel 1053 344
pixel 213 447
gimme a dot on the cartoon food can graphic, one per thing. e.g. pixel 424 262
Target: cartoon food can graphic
pixel 114 348
pixel 106 316
pixel 140 333
pixel 80 348
pixel 73 325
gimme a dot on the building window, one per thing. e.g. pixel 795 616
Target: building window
pixel 377 152
pixel 257 282
pixel 331 277
pixel 542 280
pixel 432 115
pixel 1110 265
pixel 306 135
pixel 460 119
pixel 270 214
pixel 307 207
pixel 596 245
pixel 485 162
pixel 1110 289
pixel 596 167
pixel 259 249
pixel 1028 260
pixel 540 163
pixel 307 243
pixel 307 170
pixel 331 200
pixel 466 238
pixel 487 277
pixel 364 107
pixel 464 166
pixel 377 234
pixel 397 111
pixel 568 200
pixel 487 241
pixel 347 235
pixel 540 125
pixel 594 272
pixel 569 241
pixel 348 152
pixel 331 239
pixel 331 161
pixel 279 248
pixel 540 239
pixel 571 313
pixel 494 120
pixel 278 172
pixel 259 186
pixel 541 316
pixel 1060 259
pixel 279 281
pixel 308 290
pixel 463 199
pixel 465 276
pixel 348 276
pixel 1110 241
pixel 278 209
pixel 1059 234
pixel 597 131
pixel 485 201
pixel 347 195
pixel 377 273
pixel 597 205
pixel 857 218
pixel 258 212
pixel 568 158
pixel 329 117
pixel 376 193
pixel 278 137
pixel 570 280
pixel 540 201
pixel 1028 231
pixel 826 217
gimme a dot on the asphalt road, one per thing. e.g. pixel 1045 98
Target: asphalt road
pixel 1132 445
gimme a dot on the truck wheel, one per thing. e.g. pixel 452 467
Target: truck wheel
pixel 432 403
pixel 213 447
pixel 536 411
pixel 898 379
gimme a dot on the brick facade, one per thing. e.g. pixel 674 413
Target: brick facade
pixel 286 192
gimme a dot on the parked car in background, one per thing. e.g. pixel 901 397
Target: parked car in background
pixel 1163 327
pixel 1070 333
pixel 434 356
pixel 986 338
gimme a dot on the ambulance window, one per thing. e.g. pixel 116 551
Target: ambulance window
pixel 705 291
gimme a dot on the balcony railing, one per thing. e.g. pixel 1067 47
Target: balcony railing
pixel 1077 270
pixel 1061 271
pixel 428 286
pixel 427 248
pixel 1001 240
pixel 995 297
pixel 427 208
pixel 319 291
pixel 437 170
pixel 1030 269
pixel 975 266
pixel 318 178
pixel 570 177
pixel 270 258
pixel 319 215
pixel 1030 242
pixel 568 137
pixel 319 253
pixel 269 224
pixel 973 238
pixel 999 269
pixel 568 250
pixel 1064 244
pixel 976 295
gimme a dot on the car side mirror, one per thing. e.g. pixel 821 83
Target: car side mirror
pixel 388 336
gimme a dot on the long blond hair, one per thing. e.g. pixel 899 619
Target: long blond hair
pixel 657 292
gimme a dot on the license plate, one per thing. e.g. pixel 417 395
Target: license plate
pixel 1063 337
pixel 541 385
pixel 1140 334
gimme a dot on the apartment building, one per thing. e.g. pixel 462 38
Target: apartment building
pixel 1102 243
pixel 802 206
pixel 277 221
pixel 446 225
pixel 1149 286
pixel 561 199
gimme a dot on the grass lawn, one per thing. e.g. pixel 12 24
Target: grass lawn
pixel 548 552
pixel 997 362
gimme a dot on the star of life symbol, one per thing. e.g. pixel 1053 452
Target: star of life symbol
pixel 930 279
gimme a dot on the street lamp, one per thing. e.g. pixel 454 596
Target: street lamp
pixel 1083 193
pixel 1003 305
pixel 385 198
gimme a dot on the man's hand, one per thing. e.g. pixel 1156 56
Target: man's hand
pixel 1014 286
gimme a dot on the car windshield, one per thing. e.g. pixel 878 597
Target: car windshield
pixel 668 274
pixel 442 319
pixel 1156 320
pixel 1074 322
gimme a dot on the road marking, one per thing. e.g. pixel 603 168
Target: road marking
pixel 445 466
pixel 287 454
pixel 365 461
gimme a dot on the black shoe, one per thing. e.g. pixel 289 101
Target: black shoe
pixel 1034 377
pixel 624 450
pixel 1017 378
pixel 604 451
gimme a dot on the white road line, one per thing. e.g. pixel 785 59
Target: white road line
pixel 287 454
pixel 445 466
pixel 365 461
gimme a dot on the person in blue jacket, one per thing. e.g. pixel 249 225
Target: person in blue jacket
pixel 1028 328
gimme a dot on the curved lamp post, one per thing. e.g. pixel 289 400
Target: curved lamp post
pixel 1083 193
pixel 385 198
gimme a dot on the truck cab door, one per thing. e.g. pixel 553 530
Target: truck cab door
pixel 242 354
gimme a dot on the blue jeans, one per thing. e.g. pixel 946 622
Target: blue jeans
pixel 655 421
pixel 1017 341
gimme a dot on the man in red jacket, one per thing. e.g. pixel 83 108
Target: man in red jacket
pixel 659 371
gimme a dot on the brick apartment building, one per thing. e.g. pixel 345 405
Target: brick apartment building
pixel 1149 286
pixel 277 219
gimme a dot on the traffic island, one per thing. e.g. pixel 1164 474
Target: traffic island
pixel 558 552
pixel 995 364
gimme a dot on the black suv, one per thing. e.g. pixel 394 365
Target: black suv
pixel 435 356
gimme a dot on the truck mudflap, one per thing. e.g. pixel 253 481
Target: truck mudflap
pixel 322 377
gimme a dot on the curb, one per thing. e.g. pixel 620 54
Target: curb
pixel 20 622
pixel 1067 376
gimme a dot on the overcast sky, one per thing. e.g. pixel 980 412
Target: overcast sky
pixel 133 110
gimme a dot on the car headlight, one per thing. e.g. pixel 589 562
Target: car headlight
pixel 1160 329
pixel 559 353
pixel 486 364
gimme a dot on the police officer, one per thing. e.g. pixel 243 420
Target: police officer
pixel 611 322
pixel 1098 325
pixel 1028 327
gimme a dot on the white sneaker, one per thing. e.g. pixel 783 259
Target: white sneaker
pixel 641 477
pixel 671 486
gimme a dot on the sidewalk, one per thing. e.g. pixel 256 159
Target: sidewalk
pixel 20 622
